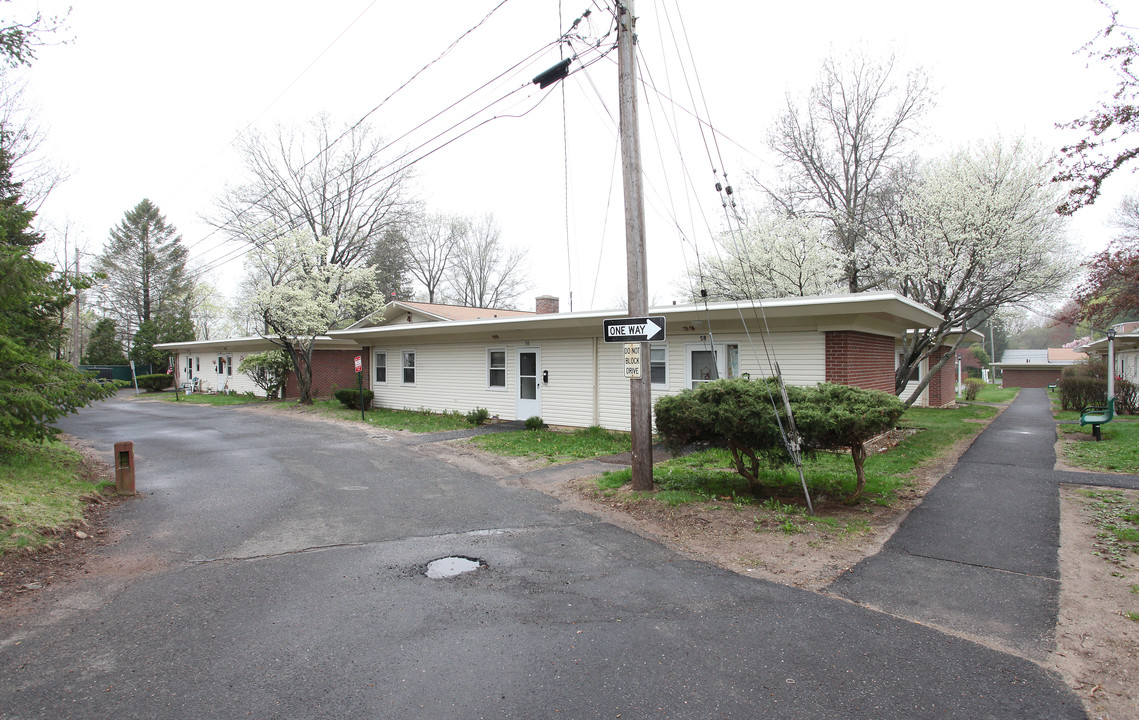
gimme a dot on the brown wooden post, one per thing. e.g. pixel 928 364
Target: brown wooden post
pixel 124 467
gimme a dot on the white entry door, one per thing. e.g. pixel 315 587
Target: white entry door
pixel 529 383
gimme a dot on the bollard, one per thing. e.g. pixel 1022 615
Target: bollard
pixel 124 467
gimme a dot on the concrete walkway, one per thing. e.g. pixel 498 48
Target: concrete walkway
pixel 980 554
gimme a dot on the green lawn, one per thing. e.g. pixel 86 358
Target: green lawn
pixel 1117 452
pixel 418 421
pixel 411 420
pixel 709 474
pixel 207 399
pixel 556 446
pixel 41 494
pixel 997 394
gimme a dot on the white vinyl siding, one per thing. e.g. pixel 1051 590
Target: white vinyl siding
pixel 567 398
pixel 208 380
pixel 453 376
pixel 801 357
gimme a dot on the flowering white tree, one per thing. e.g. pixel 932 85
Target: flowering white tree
pixel 774 256
pixel 300 294
pixel 979 231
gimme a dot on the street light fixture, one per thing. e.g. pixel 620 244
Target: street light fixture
pixel 1110 364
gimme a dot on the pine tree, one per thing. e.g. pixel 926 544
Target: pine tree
pixel 35 388
pixel 104 347
pixel 145 264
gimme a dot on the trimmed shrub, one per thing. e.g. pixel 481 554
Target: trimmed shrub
pixel 1083 384
pixel 745 417
pixel 155 383
pixel 350 398
pixel 534 423
pixel 833 417
pixel 973 386
pixel 478 416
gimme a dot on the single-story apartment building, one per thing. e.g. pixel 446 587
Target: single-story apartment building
pixel 558 366
pixel 214 364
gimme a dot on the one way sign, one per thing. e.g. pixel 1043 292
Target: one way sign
pixel 646 329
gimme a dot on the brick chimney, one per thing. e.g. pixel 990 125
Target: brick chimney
pixel 545 304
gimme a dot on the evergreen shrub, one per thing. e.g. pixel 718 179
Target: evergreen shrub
pixel 156 382
pixel 350 398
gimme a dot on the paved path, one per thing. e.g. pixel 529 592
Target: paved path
pixel 274 568
pixel 980 554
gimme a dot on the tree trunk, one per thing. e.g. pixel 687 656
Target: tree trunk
pixel 858 452
pixel 934 370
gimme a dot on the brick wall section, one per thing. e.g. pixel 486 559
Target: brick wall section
pixel 1036 378
pixel 860 359
pixel 331 368
pixel 942 386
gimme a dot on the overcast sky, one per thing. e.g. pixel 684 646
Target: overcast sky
pixel 145 100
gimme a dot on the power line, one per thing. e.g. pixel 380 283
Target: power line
pixel 230 256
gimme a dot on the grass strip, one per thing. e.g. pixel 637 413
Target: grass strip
pixel 417 421
pixel 555 445
pixel 41 493
pixel 207 399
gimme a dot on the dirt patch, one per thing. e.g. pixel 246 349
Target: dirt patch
pixel 1097 647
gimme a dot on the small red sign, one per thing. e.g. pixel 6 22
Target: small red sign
pixel 359 364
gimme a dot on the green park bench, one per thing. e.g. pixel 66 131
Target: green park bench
pixel 1096 415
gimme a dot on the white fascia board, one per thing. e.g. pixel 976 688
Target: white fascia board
pixel 841 311
pixel 254 343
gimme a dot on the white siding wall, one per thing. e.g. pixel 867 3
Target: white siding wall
pixel 208 375
pixel 453 376
pixel 568 398
pixel 801 357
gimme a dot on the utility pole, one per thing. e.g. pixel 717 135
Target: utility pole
pixel 640 395
pixel 75 356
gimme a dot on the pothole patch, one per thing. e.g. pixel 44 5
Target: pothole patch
pixel 451 566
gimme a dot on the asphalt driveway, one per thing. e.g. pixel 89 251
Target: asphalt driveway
pixel 274 568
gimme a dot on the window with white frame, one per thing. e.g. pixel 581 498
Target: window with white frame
pixel 658 365
pixel 407 364
pixel 496 368
pixel 381 367
pixel 711 362
pixel 229 365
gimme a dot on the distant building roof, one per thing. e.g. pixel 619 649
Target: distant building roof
pixel 1044 357
pixel 1065 355
pixel 1024 355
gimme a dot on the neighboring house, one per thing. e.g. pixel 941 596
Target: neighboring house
pixel 1035 368
pixel 215 363
pixel 1126 351
pixel 559 367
